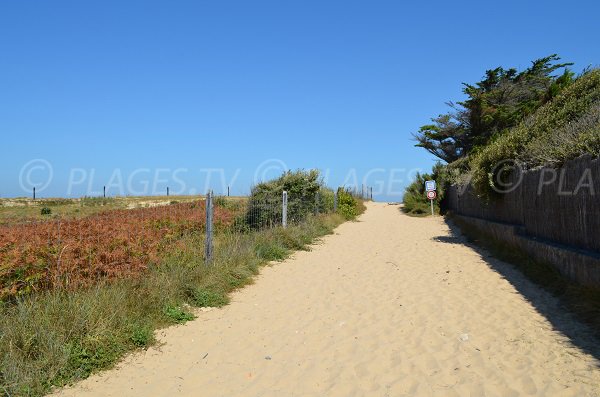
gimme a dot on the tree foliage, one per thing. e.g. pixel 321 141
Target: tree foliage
pixel 502 99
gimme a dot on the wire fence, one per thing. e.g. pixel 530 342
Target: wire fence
pixel 68 251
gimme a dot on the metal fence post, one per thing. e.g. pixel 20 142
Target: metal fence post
pixel 284 209
pixel 317 203
pixel 208 245
pixel 335 201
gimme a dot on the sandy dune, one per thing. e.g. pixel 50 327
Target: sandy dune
pixel 388 306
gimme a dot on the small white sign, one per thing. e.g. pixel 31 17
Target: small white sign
pixel 429 186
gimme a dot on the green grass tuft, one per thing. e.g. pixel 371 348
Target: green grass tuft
pixel 207 298
pixel 142 335
pixel 177 314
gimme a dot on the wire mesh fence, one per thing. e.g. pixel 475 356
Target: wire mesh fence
pixel 69 251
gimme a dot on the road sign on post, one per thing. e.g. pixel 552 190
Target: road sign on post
pixel 431 194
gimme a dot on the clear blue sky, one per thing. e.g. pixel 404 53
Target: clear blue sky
pixel 105 88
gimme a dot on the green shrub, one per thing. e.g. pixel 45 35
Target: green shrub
pixel 325 200
pixel 306 196
pixel 177 314
pixel 348 205
pixel 46 211
pixel 142 335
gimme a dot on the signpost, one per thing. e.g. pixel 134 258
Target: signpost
pixel 431 194
pixel 430 186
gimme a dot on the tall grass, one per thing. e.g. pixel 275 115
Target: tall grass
pixel 57 337
pixel 582 136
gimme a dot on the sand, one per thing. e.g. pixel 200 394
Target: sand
pixel 387 306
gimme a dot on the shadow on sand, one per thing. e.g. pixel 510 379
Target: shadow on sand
pixel 551 307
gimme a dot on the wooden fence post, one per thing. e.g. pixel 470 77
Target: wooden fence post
pixel 284 209
pixel 208 245
pixel 335 201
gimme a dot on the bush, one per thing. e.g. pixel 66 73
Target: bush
pixel 46 211
pixel 306 195
pixel 325 200
pixel 348 205
pixel 142 335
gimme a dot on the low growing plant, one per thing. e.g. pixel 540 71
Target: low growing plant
pixel 177 314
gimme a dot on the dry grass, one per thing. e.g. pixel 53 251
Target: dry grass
pixel 16 209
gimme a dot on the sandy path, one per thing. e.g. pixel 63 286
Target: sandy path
pixel 388 306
